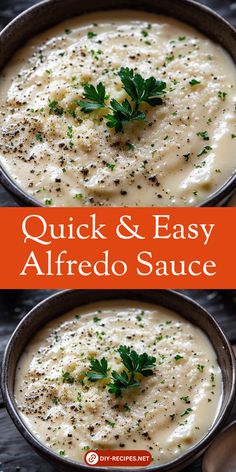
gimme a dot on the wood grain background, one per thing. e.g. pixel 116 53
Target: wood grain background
pixel 15 453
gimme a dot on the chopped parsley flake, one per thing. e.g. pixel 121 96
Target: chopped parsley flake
pixel 79 196
pixel 111 423
pixel 222 95
pixel 186 412
pixel 178 357
pixel 67 378
pixel 38 137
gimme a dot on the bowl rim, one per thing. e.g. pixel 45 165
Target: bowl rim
pixel 217 197
pixel 52 456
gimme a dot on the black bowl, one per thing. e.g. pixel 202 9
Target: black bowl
pixel 62 302
pixel 50 12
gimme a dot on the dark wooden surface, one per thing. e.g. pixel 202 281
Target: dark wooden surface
pixel 15 454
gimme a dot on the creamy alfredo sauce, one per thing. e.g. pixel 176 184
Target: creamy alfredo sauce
pixel 170 411
pixel 64 157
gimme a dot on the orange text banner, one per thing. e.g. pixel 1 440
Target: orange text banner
pixel 118 248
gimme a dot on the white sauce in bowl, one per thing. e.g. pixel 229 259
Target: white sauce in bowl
pixel 167 414
pixel 63 157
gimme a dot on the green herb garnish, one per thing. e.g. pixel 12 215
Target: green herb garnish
pixel 121 382
pixel 137 363
pixel 79 196
pixel 178 357
pixel 134 364
pixel 68 378
pixel 194 82
pixel 111 423
pixel 186 412
pixel 222 95
pixel 122 114
pixel 38 137
pixel 140 90
pixel 96 95
pixel 91 34
pixel 98 370
pixel 204 135
pixel 54 108
pixel 205 150
pixel 185 399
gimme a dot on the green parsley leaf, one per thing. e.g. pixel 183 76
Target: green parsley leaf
pixel 122 114
pixel 79 196
pixel 200 367
pixel 98 370
pixel 55 401
pixel 48 201
pixel 185 399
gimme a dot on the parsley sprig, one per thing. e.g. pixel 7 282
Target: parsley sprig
pixel 134 364
pixel 140 90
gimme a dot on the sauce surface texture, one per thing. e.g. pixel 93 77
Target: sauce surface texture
pixel 168 412
pixel 184 150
